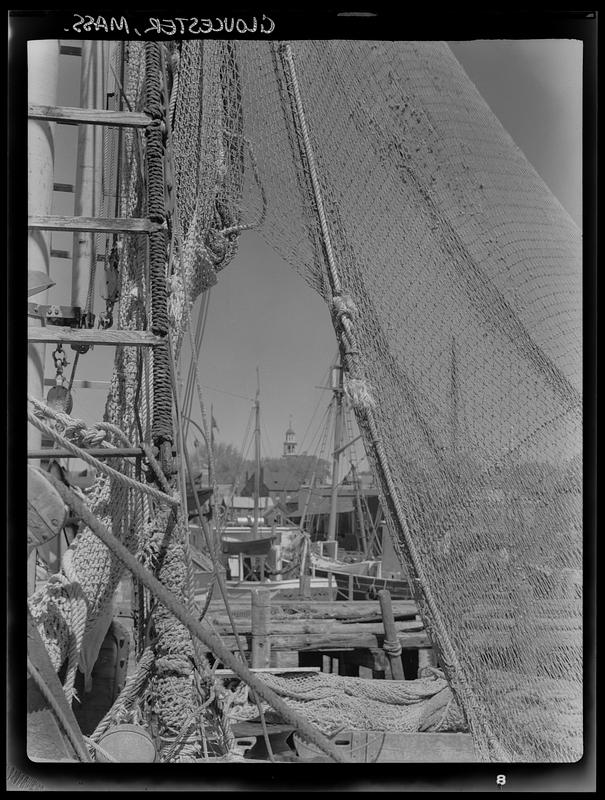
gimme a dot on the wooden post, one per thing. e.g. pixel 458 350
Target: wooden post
pixel 256 456
pixel 426 658
pixel 261 616
pixel 390 633
pixel 305 575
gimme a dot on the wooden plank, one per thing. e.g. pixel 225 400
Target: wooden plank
pixel 59 334
pixel 82 384
pixel 69 115
pixel 317 609
pixel 59 222
pixel 97 452
pixel 331 641
pixel 320 626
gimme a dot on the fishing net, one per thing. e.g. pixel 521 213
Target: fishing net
pixel 458 274
pixel 460 278
pixel 334 701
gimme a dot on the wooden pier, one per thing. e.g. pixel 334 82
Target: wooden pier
pixel 346 637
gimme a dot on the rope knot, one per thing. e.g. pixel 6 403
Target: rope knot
pixel 344 306
pixel 359 393
pixel 392 648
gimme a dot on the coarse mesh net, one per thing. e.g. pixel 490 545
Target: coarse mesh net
pixel 461 274
pixel 333 701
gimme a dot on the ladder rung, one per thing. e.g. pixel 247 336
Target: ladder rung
pixel 56 334
pixel 90 116
pixel 98 224
pixel 81 384
pixel 66 254
pixel 97 452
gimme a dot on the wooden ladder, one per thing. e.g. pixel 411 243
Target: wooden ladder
pixel 82 336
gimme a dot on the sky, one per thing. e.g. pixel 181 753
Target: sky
pixel 262 314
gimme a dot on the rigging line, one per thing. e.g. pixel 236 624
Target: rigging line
pixel 224 391
pixel 199 336
pixel 200 661
pixel 208 538
pixel 190 374
pixel 324 379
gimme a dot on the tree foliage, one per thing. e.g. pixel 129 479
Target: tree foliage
pixel 230 468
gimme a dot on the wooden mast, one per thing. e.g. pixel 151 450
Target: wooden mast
pixel 256 455
pixel 337 388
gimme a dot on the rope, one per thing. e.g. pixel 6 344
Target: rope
pixel 91 743
pixel 101 466
pixel 153 463
pixel 77 623
pixel 93 437
pixel 154 161
pixel 131 690
pixel 60 714
pixel 200 660
pixel 203 633
pixel 392 648
pixel 217 574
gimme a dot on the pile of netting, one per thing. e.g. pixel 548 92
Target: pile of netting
pixel 453 277
pixel 333 701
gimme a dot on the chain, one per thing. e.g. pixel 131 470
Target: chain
pixel 61 362
pixel 112 284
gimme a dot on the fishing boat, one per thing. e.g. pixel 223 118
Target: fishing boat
pixel 377 169
pixel 356 581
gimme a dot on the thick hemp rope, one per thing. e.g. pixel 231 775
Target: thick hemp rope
pixel 101 466
pixel 78 428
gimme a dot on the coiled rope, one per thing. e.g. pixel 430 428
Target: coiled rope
pixel 156 211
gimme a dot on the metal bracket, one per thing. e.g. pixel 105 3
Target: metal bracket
pixel 69 316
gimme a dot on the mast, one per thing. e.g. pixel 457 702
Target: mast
pixel 257 455
pixel 362 527
pixel 338 392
